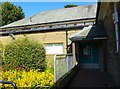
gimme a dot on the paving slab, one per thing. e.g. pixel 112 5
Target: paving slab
pixel 90 78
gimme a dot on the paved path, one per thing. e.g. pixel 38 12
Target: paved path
pixel 90 78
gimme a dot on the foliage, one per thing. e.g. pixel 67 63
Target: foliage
pixel 11 13
pixel 0 14
pixel 1 47
pixel 1 52
pixel 50 63
pixel 24 54
pixel 70 5
pixel 32 79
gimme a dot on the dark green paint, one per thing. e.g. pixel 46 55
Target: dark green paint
pixel 93 58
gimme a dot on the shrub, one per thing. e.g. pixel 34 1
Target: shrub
pixel 50 63
pixel 1 45
pixel 1 52
pixel 31 79
pixel 24 53
pixel 1 49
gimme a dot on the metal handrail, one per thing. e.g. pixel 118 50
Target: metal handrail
pixel 8 82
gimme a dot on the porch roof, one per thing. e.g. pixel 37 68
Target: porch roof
pixel 90 33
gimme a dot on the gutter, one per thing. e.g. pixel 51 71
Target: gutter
pixel 41 30
pixel 50 23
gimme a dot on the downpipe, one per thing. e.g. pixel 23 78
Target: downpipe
pixel 115 17
pixel 116 21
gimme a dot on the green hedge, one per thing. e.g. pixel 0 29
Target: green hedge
pixel 24 54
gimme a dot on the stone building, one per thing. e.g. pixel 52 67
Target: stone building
pixel 53 28
pixel 91 33
pixel 108 14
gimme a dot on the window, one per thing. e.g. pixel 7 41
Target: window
pixel 86 51
pixel 54 48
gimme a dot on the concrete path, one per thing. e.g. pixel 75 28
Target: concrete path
pixel 90 78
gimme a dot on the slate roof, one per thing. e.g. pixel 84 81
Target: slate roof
pixel 64 14
pixel 90 33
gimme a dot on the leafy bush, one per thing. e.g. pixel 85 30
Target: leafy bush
pixel 50 63
pixel 32 79
pixel 24 54
pixel 1 48
pixel 1 52
pixel 1 45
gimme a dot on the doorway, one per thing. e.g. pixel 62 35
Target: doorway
pixel 89 56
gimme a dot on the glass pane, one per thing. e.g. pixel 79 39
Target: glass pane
pixel 58 44
pixel 54 48
pixel 46 45
pixel 87 52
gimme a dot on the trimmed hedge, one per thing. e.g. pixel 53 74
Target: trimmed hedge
pixel 24 54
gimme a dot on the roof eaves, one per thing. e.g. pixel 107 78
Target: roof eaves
pixel 42 30
pixel 48 23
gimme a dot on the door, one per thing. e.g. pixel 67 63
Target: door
pixel 89 56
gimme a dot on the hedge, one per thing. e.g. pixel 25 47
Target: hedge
pixel 24 54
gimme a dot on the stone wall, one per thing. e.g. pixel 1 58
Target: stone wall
pixel 48 37
pixel 111 56
pixel 119 41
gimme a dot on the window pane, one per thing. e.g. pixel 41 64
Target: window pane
pixel 54 48
pixel 58 45
pixel 48 45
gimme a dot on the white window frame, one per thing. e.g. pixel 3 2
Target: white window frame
pixel 54 49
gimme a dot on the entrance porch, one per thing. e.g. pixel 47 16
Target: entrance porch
pixel 88 47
